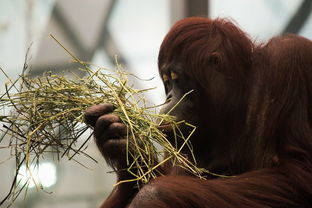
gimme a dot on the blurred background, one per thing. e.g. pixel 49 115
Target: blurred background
pixel 97 31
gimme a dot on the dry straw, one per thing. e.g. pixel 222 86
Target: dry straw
pixel 46 117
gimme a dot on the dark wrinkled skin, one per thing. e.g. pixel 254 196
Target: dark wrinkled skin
pixel 109 133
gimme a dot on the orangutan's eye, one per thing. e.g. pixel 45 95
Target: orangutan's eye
pixel 174 75
pixel 165 77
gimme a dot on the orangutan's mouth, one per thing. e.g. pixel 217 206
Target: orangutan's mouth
pixel 166 127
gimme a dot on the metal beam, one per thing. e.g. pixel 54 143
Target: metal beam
pixel 297 21
pixel 69 31
pixel 105 41
pixel 180 9
pixel 196 8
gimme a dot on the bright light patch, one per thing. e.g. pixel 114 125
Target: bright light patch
pixel 44 175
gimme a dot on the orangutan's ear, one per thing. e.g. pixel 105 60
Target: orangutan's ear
pixel 214 59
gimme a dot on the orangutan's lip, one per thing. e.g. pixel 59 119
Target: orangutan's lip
pixel 166 127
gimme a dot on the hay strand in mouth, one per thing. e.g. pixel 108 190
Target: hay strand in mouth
pixel 46 117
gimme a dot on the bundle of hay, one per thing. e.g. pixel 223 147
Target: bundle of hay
pixel 46 116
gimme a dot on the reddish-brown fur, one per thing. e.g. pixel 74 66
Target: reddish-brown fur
pixel 279 133
pixel 220 92
pixel 253 110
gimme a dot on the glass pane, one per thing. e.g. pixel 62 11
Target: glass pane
pixel 307 28
pixel 138 29
pixel 261 19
